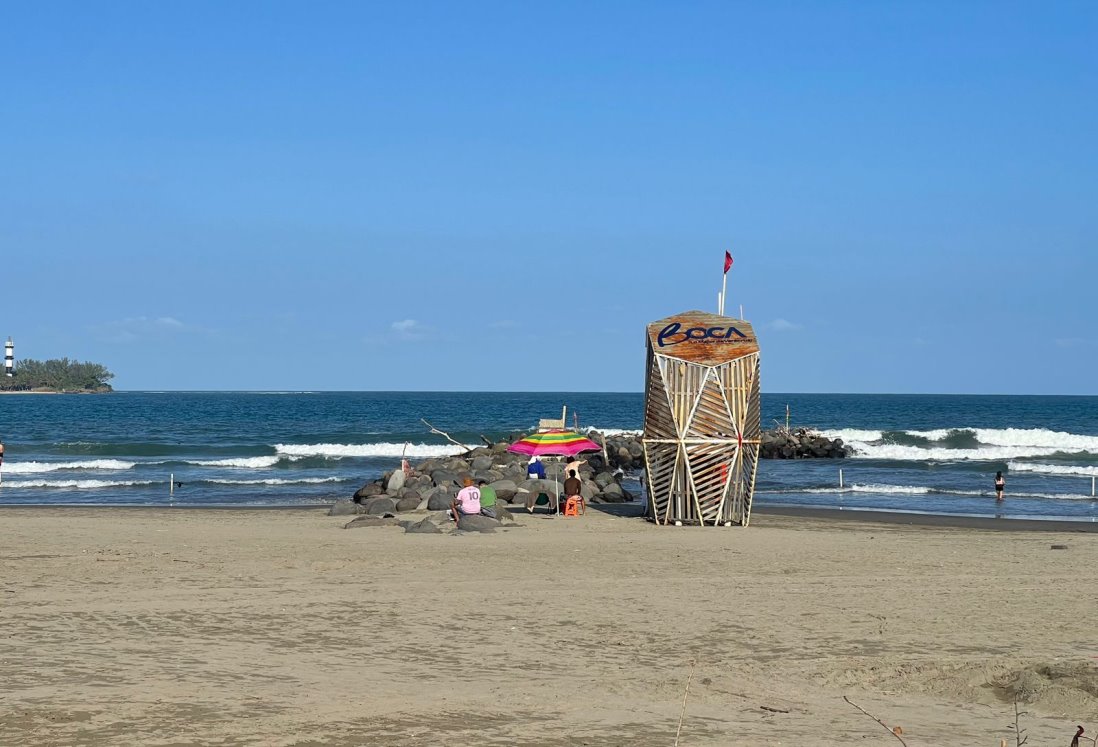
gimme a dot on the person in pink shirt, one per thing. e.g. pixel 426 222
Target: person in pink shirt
pixel 467 501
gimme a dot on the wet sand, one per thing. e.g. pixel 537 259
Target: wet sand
pixel 169 627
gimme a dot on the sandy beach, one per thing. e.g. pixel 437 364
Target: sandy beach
pixel 162 627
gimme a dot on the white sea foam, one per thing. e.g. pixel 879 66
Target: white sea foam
pixel 890 489
pixel 1048 496
pixel 994 444
pixel 383 449
pixel 942 454
pixel 79 484
pixel 923 490
pixel 872 488
pixel 279 481
pixel 613 431
pixel 1067 442
pixel 26 468
pixel 853 435
pixel 258 462
pixel 1053 469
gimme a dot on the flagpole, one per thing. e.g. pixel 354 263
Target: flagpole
pixel 724 289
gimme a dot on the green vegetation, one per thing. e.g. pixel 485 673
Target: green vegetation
pixel 57 375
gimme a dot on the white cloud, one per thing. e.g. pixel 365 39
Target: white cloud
pixel 504 324
pixel 782 325
pixel 408 329
pixel 136 328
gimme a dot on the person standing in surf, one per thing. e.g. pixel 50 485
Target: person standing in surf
pixel 1000 486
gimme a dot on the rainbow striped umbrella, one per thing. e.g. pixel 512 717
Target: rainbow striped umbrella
pixel 553 443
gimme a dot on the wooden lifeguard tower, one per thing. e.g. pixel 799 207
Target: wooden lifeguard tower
pixel 702 423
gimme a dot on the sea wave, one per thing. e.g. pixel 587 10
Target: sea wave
pixel 1053 469
pixel 947 444
pixel 78 484
pixel 384 449
pixel 614 431
pixel 258 462
pixel 279 481
pixel 873 488
pixel 941 454
pixel 890 489
pixel 879 489
pixel 26 468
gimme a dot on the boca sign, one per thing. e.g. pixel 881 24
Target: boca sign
pixel 702 338
pixel 674 333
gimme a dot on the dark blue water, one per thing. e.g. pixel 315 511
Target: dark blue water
pixel 915 452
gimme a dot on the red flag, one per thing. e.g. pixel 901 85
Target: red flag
pixel 727 262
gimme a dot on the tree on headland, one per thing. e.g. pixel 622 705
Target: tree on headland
pixel 58 374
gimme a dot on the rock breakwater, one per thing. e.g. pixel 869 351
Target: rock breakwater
pixel 432 484
pixel 802 443
pixel 624 451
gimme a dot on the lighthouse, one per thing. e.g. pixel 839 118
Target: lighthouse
pixel 9 358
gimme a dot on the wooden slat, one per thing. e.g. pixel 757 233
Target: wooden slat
pixel 711 416
pixel 709 468
pixel 660 459
pixel 659 422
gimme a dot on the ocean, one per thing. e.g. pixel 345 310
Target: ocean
pixel 924 453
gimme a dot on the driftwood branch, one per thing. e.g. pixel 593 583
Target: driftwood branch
pixel 1019 733
pixel 446 435
pixel 693 663
pixel 882 723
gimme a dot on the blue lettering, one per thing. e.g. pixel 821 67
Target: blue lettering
pixel 673 334
pixel 668 331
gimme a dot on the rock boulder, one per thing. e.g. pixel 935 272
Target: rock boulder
pixel 372 521
pixel 345 508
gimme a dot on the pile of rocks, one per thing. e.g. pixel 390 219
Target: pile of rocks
pixel 624 451
pixel 433 484
pixel 802 443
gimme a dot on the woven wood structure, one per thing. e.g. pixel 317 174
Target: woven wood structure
pixel 702 423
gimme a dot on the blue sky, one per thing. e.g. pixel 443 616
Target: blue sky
pixel 491 196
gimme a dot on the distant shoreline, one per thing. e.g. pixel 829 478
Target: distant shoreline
pixel 53 391
pixel 28 391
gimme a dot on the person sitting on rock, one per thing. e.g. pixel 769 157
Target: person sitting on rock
pixel 487 499
pixel 535 469
pixel 467 502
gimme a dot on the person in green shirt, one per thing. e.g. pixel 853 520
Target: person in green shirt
pixel 487 499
